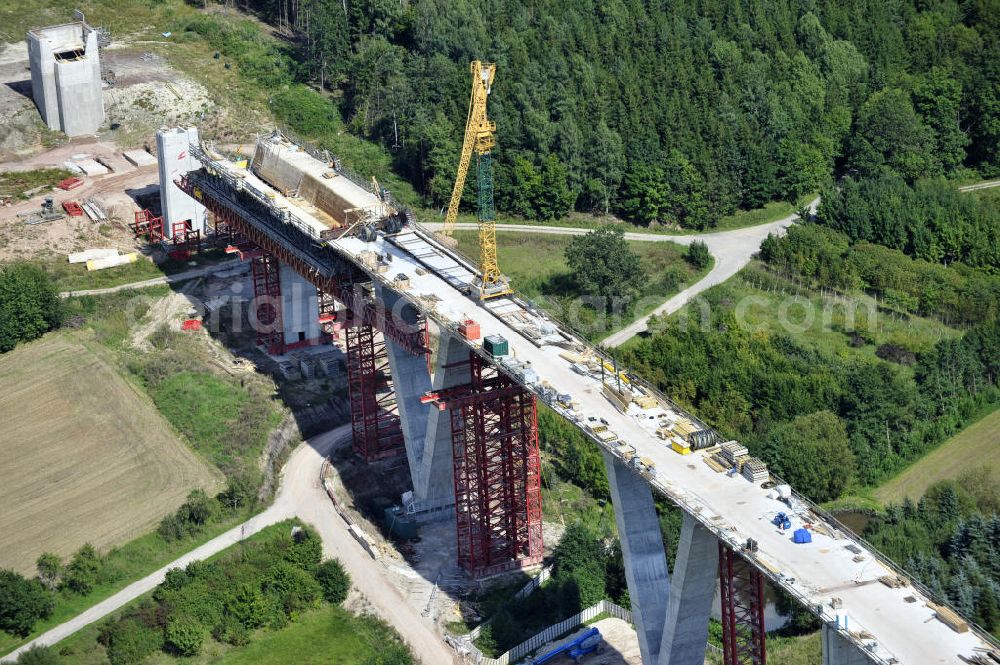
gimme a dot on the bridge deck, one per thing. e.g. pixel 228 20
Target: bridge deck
pixel 734 508
pixel 895 625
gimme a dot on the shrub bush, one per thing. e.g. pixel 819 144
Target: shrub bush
pixel 22 603
pixel 334 580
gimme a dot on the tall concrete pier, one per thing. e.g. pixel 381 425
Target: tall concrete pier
pixel 66 77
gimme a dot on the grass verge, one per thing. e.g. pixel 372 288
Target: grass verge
pixel 16 183
pixel 740 219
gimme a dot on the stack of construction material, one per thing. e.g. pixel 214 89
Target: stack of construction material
pixel 733 452
pixel 90 254
pixel 754 470
pixel 112 261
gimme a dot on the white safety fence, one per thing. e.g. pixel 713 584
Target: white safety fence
pixel 474 655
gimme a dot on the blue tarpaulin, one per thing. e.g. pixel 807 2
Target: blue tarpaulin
pixel 802 536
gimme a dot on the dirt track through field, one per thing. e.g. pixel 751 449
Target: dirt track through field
pixel 85 456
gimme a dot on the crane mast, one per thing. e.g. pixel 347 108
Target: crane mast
pixel 480 138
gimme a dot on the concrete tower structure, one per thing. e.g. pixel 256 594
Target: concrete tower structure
pixel 175 159
pixel 66 77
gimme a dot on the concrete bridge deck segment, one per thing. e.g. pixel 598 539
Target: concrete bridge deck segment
pixel 888 625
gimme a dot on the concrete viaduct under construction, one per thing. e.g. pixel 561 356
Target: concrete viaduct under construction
pixel 327 248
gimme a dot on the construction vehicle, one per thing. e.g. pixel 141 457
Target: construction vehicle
pixel 479 138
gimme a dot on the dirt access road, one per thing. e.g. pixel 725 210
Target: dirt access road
pixel 732 251
pixel 300 495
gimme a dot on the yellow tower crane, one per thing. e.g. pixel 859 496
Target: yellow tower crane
pixel 479 138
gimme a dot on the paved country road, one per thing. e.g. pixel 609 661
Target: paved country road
pixel 730 249
pixel 300 495
pixel 980 185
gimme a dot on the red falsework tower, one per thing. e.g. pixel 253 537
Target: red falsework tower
pixel 266 275
pixel 742 590
pixel 497 472
pixel 374 419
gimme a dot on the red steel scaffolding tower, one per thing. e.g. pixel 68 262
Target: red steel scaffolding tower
pixel 742 591
pixel 497 473
pixel 375 421
pixel 266 274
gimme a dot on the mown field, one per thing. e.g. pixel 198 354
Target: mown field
pixel 973 447
pixel 87 458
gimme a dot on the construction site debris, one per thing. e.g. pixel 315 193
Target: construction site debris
pixel 733 451
pixel 69 183
pixel 894 581
pixel 72 208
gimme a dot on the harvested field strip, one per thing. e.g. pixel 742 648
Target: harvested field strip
pixel 974 446
pixel 86 457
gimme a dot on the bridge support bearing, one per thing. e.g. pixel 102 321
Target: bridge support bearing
pixel 497 473
pixel 266 312
pixel 742 591
pixel 374 418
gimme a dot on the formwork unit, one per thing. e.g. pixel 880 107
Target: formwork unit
pixel 497 473
pixel 742 592
pixel 374 418
pixel 266 275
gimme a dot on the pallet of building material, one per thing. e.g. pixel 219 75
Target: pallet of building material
pixel 733 450
pixel 714 465
pixel 72 208
pixel 754 470
pixel 69 183
pixel 721 460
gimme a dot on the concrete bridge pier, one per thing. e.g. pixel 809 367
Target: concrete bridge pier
pixel 692 591
pixel 642 549
pixel 299 309
pixel 838 650
pixel 671 615
pixel 426 430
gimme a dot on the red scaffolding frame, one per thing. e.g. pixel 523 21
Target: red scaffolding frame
pixel 266 275
pixel 186 240
pixel 497 473
pixel 742 591
pixel 147 226
pixel 375 421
